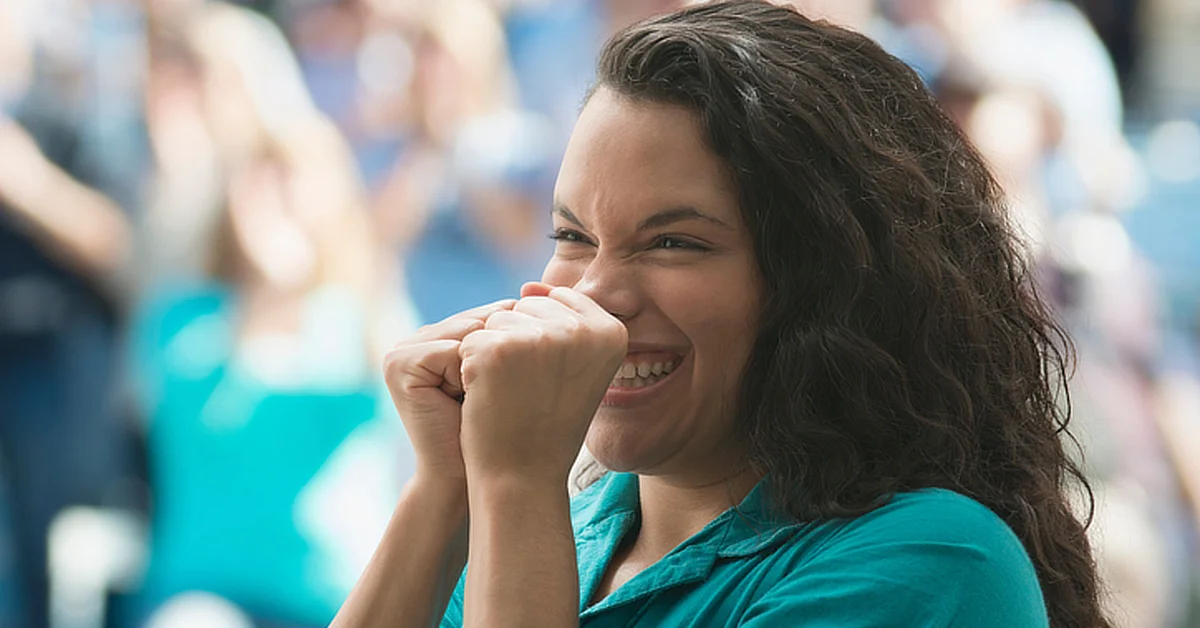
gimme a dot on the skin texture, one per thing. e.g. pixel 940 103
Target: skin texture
pixel 652 263
pixel 421 555
pixel 688 287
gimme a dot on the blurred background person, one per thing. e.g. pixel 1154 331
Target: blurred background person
pixel 184 195
pixel 457 114
pixel 463 196
pixel 255 347
pixel 72 165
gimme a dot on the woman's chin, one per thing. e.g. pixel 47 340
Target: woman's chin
pixel 618 450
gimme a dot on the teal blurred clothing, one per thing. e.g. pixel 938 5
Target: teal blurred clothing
pixel 233 455
pixel 928 558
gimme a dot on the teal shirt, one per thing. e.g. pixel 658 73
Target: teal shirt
pixel 927 558
pixel 233 459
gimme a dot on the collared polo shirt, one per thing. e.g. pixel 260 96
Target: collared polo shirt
pixel 928 558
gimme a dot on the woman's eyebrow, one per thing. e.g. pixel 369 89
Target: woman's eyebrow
pixel 660 219
pixel 679 214
pixel 562 210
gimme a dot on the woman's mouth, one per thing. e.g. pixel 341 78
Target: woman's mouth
pixel 640 373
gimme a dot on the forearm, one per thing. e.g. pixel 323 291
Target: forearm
pixel 417 565
pixel 523 570
pixel 78 224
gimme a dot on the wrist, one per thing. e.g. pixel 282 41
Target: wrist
pixel 517 472
pixel 522 553
pixel 439 475
pixel 447 497
pixel 505 491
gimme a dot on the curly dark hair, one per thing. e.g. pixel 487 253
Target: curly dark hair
pixel 902 344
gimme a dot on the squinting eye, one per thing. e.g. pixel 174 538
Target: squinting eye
pixel 668 242
pixel 568 235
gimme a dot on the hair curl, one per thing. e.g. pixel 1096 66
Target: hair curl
pixel 901 345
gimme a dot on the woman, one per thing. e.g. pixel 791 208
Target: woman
pixel 834 400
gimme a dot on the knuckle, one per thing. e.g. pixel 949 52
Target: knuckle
pixel 574 325
pixel 471 316
pixel 401 362
pixel 497 319
pixel 615 335
pixel 394 361
pixel 472 326
pixel 476 345
pixel 505 349
pixel 469 372
pixel 557 334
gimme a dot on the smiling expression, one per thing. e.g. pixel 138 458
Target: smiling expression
pixel 647 224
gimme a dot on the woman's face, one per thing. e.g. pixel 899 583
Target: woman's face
pixel 648 225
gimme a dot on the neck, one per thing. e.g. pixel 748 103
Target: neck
pixel 674 509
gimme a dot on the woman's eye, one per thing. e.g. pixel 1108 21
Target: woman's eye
pixel 669 242
pixel 568 235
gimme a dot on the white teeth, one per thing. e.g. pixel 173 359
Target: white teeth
pixel 632 375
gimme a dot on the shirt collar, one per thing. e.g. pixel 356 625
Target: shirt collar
pixel 605 512
pixel 613 495
pixel 755 525
pixel 617 495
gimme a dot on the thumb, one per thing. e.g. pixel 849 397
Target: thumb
pixel 536 289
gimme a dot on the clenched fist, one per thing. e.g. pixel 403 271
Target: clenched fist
pixel 423 375
pixel 533 378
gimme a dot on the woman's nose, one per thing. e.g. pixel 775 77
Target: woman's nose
pixel 611 286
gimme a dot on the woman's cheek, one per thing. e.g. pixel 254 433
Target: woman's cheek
pixel 561 273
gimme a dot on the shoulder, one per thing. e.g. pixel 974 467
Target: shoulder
pixel 930 557
pixel 936 516
pixel 940 540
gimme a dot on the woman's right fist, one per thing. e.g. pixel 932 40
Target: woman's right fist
pixel 423 375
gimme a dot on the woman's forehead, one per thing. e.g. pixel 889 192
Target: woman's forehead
pixel 643 157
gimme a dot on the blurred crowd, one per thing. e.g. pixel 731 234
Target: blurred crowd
pixel 216 216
